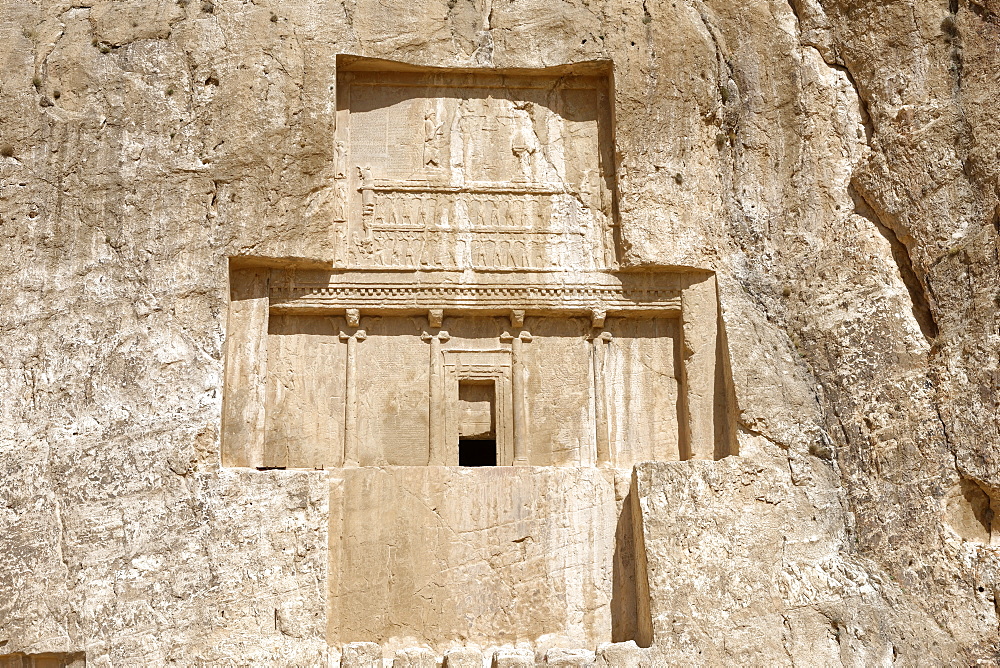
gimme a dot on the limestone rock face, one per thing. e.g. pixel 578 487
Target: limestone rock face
pixel 833 164
pixel 493 555
pixel 746 566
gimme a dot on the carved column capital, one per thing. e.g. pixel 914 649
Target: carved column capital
pixel 359 335
pixel 441 336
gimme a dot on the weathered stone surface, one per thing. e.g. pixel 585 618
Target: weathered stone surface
pixel 361 655
pixel 414 657
pixel 833 162
pixel 464 657
pixel 570 658
pixel 498 553
pixel 512 658
pixel 620 654
pixel 746 566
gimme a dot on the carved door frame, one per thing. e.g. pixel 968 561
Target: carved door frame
pixel 480 365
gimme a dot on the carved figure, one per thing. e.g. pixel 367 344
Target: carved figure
pixel 395 242
pixel 432 139
pixel 428 249
pixel 340 207
pixel 416 211
pixel 340 244
pixel 490 254
pixel 407 216
pixel 538 253
pixel 505 259
pixel 431 211
pixel 494 216
pixel 472 206
pixel 412 250
pixel 367 192
pixel 354 254
pixel 447 246
pixel 361 250
pixel 520 255
pixel 422 211
pixel 340 153
pixel 523 148
pixel 513 210
pixel 393 215
pixel 378 250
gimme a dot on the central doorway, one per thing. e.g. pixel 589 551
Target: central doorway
pixel 477 439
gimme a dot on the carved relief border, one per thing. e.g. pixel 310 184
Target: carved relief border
pixel 586 298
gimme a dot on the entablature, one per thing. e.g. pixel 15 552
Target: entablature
pixel 624 294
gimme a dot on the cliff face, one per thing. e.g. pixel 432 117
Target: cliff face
pixel 835 163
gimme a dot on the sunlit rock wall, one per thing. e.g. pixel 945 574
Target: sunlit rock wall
pixel 833 161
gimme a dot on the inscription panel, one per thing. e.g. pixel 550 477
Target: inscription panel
pixel 475 171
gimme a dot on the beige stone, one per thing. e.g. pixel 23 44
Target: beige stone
pixel 512 658
pixel 361 655
pixel 414 657
pixel 570 658
pixel 463 657
pixel 490 554
pixel 785 584
pixel 478 242
pixel 619 654
pixel 689 229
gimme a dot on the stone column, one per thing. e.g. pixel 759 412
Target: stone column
pixel 351 456
pixel 600 399
pixel 520 399
pixel 436 416
pixel 435 423
pixel 436 404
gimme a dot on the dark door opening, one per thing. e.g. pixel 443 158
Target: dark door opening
pixel 477 441
pixel 477 452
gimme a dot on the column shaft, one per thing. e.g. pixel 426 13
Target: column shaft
pixel 600 403
pixel 520 405
pixel 435 417
pixel 351 405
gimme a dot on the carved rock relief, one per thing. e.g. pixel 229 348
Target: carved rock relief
pixel 499 173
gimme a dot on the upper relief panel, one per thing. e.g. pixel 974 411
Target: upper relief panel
pixel 455 170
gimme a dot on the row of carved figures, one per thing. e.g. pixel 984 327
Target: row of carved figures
pixel 449 249
pixel 424 210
